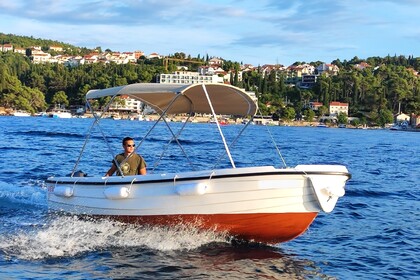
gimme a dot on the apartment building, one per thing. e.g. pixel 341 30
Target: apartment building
pixel 187 77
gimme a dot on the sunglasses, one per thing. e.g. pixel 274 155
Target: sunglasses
pixel 131 145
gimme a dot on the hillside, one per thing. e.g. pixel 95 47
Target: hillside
pixel 45 44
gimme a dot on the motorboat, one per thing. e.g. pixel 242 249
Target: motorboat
pixel 61 114
pixel 20 113
pixel 400 126
pixel 260 203
pixel 322 125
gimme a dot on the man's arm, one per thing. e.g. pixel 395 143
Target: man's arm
pixel 111 170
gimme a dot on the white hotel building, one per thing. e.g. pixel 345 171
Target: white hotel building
pixel 186 77
pixel 130 104
pixel 178 77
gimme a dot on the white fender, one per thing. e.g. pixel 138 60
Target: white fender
pixel 116 192
pixel 63 191
pixel 191 189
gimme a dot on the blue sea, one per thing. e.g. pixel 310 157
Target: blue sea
pixel 373 233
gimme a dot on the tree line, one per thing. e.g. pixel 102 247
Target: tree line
pixel 389 86
pixel 374 94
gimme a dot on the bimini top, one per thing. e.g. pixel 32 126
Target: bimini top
pixel 185 98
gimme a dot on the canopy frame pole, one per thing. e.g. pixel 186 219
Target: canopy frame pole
pixel 218 126
pixel 89 133
pixel 234 141
pixel 175 137
pixel 275 144
pixel 154 125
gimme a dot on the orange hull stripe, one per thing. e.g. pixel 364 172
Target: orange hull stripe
pixel 265 227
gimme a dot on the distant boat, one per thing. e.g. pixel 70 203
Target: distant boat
pixel 342 125
pixel 20 113
pixel 399 126
pixel 395 127
pixel 41 114
pixel 323 125
pixel 62 115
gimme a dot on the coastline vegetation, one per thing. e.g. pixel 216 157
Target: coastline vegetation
pixel 389 86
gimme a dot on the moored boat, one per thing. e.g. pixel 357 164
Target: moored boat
pixel 20 113
pixel 61 114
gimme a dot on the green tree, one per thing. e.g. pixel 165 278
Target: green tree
pixel 60 98
pixel 342 118
pixel 384 116
pixel 288 113
pixel 309 115
pixel 323 110
pixel 355 122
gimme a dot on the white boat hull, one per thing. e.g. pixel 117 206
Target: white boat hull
pixel 259 203
pixel 21 114
pixel 62 115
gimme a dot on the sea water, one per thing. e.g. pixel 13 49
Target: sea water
pixel 373 233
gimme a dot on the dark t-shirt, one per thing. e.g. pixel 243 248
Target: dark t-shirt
pixel 132 166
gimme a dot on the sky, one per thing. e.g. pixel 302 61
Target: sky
pixel 247 31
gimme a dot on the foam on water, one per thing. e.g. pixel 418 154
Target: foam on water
pixel 31 192
pixel 51 235
pixel 66 236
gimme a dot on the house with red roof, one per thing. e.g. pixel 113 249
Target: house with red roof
pixel 315 105
pixel 327 68
pixel 338 107
pixel 361 65
pixel 20 50
pixel 7 47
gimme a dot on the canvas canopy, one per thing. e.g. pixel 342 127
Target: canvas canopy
pixel 186 98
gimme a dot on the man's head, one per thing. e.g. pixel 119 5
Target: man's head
pixel 128 145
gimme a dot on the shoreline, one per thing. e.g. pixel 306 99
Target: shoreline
pixel 229 121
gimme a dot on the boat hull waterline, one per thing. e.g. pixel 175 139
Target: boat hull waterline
pixel 262 204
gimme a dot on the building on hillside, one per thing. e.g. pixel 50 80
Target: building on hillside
pixel 294 73
pixel 314 106
pixel 308 81
pixel 228 76
pixel 74 61
pixel 215 61
pixel 210 70
pixel 20 50
pixel 338 107
pixel 7 48
pixel 415 121
pixel 56 48
pixel 138 54
pixel 361 65
pixel 266 69
pixel 154 55
pixel 128 57
pixel 130 105
pixel 90 58
pixel 412 70
pixel 62 59
pixel 40 57
pixel 247 68
pixel 402 118
pixel 329 69
pixel 186 77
